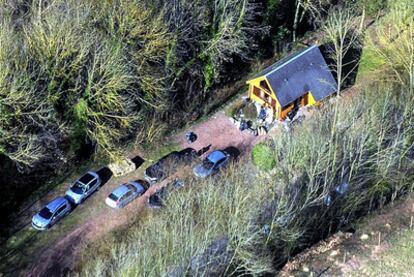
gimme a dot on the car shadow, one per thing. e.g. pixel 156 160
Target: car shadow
pixel 203 150
pixel 138 161
pixel 187 151
pixel 105 174
pixel 233 151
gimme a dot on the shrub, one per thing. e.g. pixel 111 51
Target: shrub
pixel 168 240
pixel 250 111
pixel 367 149
pixel 372 7
pixel 365 142
pixel 263 157
pixel 126 62
pixel 235 107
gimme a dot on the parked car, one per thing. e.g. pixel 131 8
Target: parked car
pixel 51 213
pixel 168 164
pixel 125 193
pixel 83 187
pixel 215 161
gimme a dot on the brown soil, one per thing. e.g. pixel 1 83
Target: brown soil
pixel 58 258
pixel 343 253
pixel 220 133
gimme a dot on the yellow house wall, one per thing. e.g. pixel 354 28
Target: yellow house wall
pixel 311 99
pixel 279 112
pixel 256 83
pixel 278 108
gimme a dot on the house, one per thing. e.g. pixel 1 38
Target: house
pixel 301 79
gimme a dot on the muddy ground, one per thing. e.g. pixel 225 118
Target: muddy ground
pixel 58 253
pixel 345 252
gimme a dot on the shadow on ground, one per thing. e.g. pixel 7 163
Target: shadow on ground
pixel 351 62
pixel 233 151
pixel 203 150
pixel 138 161
pixel 105 174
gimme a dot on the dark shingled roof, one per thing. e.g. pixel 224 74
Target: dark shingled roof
pixel 293 76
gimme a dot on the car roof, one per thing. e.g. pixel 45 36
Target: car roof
pixel 87 178
pixel 171 155
pixel 120 190
pixel 55 203
pixel 216 155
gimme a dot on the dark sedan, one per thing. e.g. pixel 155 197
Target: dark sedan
pixel 168 164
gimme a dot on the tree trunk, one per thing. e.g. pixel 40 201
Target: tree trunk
pixel 296 20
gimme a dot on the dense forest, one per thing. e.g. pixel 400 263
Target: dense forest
pixel 87 82
pixel 354 155
pixel 86 78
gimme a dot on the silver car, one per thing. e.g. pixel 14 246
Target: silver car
pixel 51 213
pixel 83 187
pixel 125 193
pixel 214 162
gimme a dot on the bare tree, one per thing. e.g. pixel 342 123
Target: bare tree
pixel 393 41
pixel 343 34
pixel 313 8
pixel 235 28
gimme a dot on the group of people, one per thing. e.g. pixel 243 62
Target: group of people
pixel 265 116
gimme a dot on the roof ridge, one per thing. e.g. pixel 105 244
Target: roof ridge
pixel 291 60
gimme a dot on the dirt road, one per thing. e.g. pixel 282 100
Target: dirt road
pixel 58 257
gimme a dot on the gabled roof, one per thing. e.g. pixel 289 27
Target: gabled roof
pixel 295 75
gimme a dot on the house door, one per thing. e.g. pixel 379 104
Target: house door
pixel 306 99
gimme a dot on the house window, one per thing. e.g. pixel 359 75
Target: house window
pixel 264 85
pixel 265 96
pixel 256 91
pixel 269 99
pixel 262 94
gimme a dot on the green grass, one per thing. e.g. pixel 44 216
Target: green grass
pixel 364 140
pixel 370 61
pixel 395 260
pixel 194 216
pixel 365 149
pixel 157 150
pixel 20 250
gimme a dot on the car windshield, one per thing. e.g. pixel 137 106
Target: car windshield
pixel 207 164
pixel 131 187
pixel 78 188
pixel 86 179
pixel 46 213
pixel 113 197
